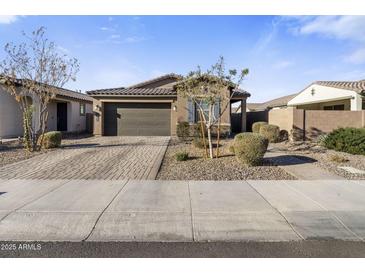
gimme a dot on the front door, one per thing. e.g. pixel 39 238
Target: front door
pixel 62 116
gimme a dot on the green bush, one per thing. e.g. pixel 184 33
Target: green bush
pixel 182 156
pixel 283 135
pixel 350 140
pixel 198 142
pixel 250 148
pixel 52 139
pixel 183 130
pixel 271 132
pixel 256 126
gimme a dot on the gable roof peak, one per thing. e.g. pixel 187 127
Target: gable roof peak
pixel 173 76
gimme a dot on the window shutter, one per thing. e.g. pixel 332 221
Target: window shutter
pixel 191 111
pixel 216 109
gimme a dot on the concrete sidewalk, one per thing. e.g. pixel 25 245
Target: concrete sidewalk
pixel 81 210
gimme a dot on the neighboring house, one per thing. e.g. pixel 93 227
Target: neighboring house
pixel 320 108
pixel 153 108
pixel 67 112
pixel 252 106
pixel 331 95
pixel 280 102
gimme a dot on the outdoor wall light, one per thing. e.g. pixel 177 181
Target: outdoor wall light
pixel 313 91
pixel 174 108
pixel 97 107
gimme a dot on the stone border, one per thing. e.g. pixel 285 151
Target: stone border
pixel 152 174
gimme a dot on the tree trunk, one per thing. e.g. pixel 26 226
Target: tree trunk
pixel 209 131
pixel 210 142
pixel 203 134
pixel 218 136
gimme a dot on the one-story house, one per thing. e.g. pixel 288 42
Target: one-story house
pixel 331 95
pixel 154 108
pixel 67 113
pixel 280 102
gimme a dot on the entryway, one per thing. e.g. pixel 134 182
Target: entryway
pixel 62 116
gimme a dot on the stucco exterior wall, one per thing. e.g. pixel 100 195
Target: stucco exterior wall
pixel 283 118
pixel 52 117
pixel 319 122
pixel 309 124
pixel 244 115
pixel 317 94
pixel 179 110
pixel 75 121
pixel 11 122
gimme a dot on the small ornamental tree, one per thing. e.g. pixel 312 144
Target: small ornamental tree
pixel 209 88
pixel 32 72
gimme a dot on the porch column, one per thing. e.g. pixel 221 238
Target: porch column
pixel 356 102
pixel 243 115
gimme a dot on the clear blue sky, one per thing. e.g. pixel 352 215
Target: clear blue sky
pixel 284 54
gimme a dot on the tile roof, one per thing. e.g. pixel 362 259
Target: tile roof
pixel 65 92
pixel 241 92
pixel 253 106
pixel 277 102
pixel 157 79
pixel 358 86
pixel 73 94
pixel 140 89
pixel 134 92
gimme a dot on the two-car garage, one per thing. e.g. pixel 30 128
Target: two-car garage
pixel 137 119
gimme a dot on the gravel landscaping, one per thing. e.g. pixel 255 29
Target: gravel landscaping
pixel 327 159
pixel 224 168
pixel 13 151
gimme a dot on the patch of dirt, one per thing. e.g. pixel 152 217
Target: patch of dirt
pixel 327 159
pixel 225 168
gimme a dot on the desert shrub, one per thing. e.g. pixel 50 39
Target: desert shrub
pixel 271 132
pixel 197 131
pixel 350 140
pixel 321 139
pixel 52 139
pixel 231 148
pixel 182 156
pixel 250 148
pixel 338 158
pixel 257 125
pixel 183 130
pixel 198 142
pixel 283 135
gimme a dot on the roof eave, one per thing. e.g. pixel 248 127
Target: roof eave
pixel 126 95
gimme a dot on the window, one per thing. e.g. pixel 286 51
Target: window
pixel 335 107
pixel 205 107
pixel 82 109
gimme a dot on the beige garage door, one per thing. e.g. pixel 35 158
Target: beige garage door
pixel 137 119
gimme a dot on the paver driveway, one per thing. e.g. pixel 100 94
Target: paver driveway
pixel 109 158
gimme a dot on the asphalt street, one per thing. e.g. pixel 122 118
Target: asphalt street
pixel 296 249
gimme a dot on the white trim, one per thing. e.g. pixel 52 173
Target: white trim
pixel 321 101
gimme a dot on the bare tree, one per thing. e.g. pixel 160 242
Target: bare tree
pixel 208 89
pixel 32 72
